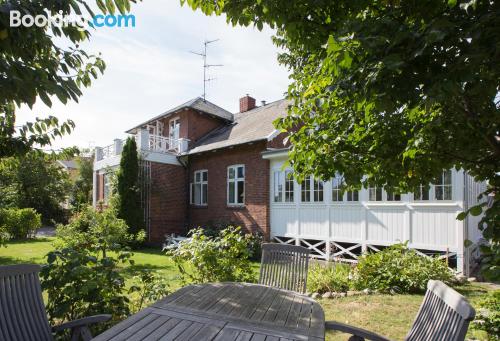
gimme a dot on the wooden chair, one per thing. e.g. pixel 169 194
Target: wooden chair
pixel 284 266
pixel 443 315
pixel 22 312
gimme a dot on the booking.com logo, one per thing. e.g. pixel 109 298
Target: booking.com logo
pixel 60 20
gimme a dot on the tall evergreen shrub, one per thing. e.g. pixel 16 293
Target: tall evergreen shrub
pixel 129 206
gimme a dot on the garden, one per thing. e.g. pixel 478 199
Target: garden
pixel 92 257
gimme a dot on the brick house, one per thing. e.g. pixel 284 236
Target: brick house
pixel 202 165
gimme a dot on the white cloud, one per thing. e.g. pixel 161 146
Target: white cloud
pixel 149 70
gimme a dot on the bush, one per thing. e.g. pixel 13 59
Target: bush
pixel 95 229
pixel 488 315
pixel 399 269
pixel 81 283
pixel 20 223
pixel 225 257
pixel 150 288
pixel 83 277
pixel 329 278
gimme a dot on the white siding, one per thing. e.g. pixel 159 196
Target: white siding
pixel 429 225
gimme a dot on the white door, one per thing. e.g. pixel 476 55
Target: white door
pixel 174 131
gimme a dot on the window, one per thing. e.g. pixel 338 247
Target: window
pixel 306 190
pixel 236 185
pixel 283 186
pixel 199 188
pixel 442 188
pixel 289 183
pixel 312 190
pixel 337 188
pixel 422 193
pixel 318 190
pixel 278 186
pixel 106 187
pixel 393 196
pixel 375 193
pixel 352 195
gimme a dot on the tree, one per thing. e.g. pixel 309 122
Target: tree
pixel 33 66
pixel 389 92
pixel 81 193
pixel 128 189
pixel 34 181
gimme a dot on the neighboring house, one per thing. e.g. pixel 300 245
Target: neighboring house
pixel 70 166
pixel 203 165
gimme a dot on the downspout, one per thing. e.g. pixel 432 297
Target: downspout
pixel 466 227
pixel 184 161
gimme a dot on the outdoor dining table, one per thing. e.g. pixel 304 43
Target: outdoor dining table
pixel 225 311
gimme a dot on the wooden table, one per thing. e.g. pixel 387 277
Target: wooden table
pixel 225 311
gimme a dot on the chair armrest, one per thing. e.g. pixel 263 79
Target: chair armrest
pixel 362 333
pixel 85 321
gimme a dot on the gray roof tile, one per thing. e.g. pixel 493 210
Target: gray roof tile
pixel 197 103
pixel 253 125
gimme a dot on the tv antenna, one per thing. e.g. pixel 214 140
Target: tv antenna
pixel 205 65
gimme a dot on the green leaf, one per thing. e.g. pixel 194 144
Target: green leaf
pixel 461 216
pixel 476 210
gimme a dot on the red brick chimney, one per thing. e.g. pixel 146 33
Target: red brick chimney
pixel 247 103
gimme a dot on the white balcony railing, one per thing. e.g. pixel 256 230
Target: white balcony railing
pixel 145 142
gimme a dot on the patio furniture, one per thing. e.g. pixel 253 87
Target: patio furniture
pixel 284 266
pixel 22 312
pixel 225 312
pixel 443 315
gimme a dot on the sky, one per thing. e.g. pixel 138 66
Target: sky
pixel 150 70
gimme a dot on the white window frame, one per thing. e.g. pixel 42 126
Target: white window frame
pixel 236 180
pixel 375 189
pixel 283 186
pixel 432 193
pixel 314 185
pixel 289 193
pixel 337 189
pixel 202 183
pixel 444 185
pixel 278 186
pixel 106 187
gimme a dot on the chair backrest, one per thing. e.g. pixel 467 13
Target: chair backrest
pixel 443 315
pixel 22 312
pixel 284 266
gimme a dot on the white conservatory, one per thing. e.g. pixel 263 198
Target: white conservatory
pixel 342 226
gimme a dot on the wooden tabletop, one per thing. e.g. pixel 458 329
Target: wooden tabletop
pixel 224 312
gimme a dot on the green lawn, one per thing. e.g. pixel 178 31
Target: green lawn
pixel 388 315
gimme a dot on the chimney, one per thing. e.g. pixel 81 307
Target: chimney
pixel 247 103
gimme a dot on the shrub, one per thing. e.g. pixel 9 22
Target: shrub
pixel 100 230
pixel 488 315
pixel 225 257
pixel 328 278
pixel 81 283
pixel 399 269
pixel 150 288
pixel 20 223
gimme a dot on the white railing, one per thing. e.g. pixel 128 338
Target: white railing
pixel 164 144
pixel 147 142
pixel 108 151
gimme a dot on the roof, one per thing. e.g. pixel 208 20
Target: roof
pixel 197 103
pixel 253 125
pixel 68 164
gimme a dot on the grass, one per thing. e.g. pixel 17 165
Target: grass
pixel 388 315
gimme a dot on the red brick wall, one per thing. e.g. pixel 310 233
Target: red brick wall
pixel 254 216
pixel 168 200
pixel 194 124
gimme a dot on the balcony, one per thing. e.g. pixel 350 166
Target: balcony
pixel 147 144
